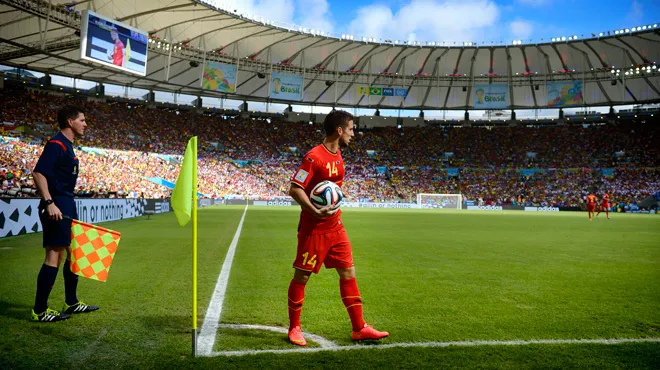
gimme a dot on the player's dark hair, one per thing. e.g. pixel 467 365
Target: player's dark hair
pixel 66 113
pixel 336 118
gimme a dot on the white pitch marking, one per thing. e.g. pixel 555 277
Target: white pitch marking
pixel 206 337
pixel 476 343
pixel 324 343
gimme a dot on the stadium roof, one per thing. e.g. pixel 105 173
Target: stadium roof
pixel 616 69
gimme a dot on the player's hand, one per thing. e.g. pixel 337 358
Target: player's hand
pixel 54 213
pixel 325 212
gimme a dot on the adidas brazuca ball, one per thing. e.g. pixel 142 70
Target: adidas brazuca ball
pixel 326 193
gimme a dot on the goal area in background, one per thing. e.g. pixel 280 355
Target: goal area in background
pixel 440 201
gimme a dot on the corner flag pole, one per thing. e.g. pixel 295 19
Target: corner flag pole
pixel 194 236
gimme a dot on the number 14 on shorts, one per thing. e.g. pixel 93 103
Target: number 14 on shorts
pixel 311 261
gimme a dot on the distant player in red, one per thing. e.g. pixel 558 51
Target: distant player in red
pixel 605 206
pixel 117 55
pixel 591 205
pixel 321 235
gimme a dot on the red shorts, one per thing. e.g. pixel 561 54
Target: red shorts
pixel 605 206
pixel 591 207
pixel 332 249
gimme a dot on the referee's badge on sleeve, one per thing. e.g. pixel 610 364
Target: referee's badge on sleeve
pixel 301 175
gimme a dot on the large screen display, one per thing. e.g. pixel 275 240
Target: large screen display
pixel 113 44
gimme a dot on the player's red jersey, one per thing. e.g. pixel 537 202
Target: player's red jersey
pixel 591 199
pixel 606 199
pixel 319 164
pixel 118 54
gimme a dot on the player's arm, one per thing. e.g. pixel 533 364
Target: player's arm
pixel 299 195
pixel 44 167
pixel 301 180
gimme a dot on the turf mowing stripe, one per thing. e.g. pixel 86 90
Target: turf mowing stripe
pixel 206 337
pixel 476 343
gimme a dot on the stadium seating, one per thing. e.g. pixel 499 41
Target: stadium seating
pixel 508 165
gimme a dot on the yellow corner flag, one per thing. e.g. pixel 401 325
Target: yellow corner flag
pixel 92 250
pixel 184 204
pixel 127 57
pixel 182 197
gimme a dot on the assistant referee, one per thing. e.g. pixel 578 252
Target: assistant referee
pixel 55 175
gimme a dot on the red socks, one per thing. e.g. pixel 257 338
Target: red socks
pixel 350 295
pixel 296 298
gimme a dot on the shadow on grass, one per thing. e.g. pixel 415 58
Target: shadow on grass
pixel 15 311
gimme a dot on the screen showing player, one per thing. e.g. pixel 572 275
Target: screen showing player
pixel 113 43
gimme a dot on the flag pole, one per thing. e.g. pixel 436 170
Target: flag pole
pixel 194 236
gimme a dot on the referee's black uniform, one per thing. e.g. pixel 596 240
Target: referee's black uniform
pixel 59 164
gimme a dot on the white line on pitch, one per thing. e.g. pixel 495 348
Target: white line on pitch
pixel 324 343
pixel 476 343
pixel 206 337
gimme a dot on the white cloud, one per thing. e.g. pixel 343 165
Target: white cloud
pixel 279 10
pixel 521 29
pixel 427 20
pixel 635 14
pixel 314 14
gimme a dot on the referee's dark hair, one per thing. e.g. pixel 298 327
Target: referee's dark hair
pixel 336 118
pixel 66 113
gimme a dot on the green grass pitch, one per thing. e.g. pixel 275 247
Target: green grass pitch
pixel 424 276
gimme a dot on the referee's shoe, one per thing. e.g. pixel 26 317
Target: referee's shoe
pixel 80 307
pixel 49 316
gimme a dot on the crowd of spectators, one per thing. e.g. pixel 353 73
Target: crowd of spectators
pixel 134 144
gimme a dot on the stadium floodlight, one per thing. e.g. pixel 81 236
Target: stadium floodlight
pixel 563 38
pixel 654 66
pixel 600 34
pixel 639 28
pixel 553 39
pixel 616 32
pixel 627 30
pixel 644 27
pixel 655 25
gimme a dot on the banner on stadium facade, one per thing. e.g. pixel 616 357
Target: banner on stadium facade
pixel 219 77
pixel 382 91
pixel 491 96
pixel 286 86
pixel 564 94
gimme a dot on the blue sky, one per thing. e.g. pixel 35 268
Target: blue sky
pixel 456 20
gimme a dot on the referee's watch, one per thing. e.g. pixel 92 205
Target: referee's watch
pixel 48 201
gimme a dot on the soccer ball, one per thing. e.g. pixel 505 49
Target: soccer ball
pixel 326 193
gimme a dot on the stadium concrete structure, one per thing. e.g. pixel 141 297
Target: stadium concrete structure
pixel 617 67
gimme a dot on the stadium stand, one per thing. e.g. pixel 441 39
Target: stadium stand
pixel 127 145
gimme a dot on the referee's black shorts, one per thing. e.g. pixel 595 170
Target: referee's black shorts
pixel 58 233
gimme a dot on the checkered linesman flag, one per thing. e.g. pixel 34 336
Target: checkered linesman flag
pixel 92 250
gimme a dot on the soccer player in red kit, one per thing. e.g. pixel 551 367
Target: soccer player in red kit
pixel 117 55
pixel 605 206
pixel 591 205
pixel 321 235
